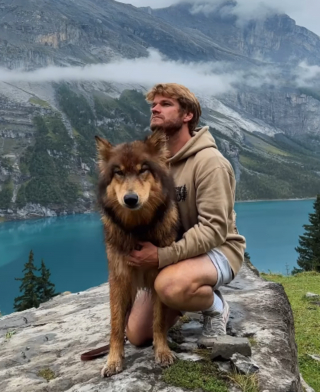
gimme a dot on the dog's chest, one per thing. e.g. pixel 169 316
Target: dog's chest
pixel 144 278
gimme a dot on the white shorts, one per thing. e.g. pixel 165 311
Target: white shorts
pixel 224 271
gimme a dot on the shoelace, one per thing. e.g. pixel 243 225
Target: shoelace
pixel 214 324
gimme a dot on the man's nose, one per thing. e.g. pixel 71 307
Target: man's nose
pixel 156 109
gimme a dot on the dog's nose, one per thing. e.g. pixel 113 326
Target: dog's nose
pixel 131 200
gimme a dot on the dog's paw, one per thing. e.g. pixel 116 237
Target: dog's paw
pixel 164 358
pixel 111 368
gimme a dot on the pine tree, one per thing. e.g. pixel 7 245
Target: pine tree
pixel 309 249
pixel 247 256
pixel 28 287
pixel 45 288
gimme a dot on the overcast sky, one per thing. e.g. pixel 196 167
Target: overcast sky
pixel 304 12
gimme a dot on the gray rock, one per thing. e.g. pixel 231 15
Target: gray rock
pixel 312 295
pixel 243 364
pixel 315 357
pixel 62 329
pixel 226 346
pixel 306 387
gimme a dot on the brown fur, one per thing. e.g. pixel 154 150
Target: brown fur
pixel 139 167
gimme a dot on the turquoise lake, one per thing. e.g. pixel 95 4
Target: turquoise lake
pixel 72 246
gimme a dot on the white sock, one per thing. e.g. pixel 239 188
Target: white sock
pixel 217 305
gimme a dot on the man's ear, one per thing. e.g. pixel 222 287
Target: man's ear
pixel 157 144
pixel 104 148
pixel 187 117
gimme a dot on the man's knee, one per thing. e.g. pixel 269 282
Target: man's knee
pixel 137 337
pixel 173 291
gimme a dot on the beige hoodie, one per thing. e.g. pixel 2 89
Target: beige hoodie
pixel 205 186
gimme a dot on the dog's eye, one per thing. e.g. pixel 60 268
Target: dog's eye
pixel 119 173
pixel 144 169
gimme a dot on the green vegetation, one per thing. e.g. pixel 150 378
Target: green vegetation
pixel 247 383
pixel 132 111
pixel 118 120
pixel 45 289
pixel 6 194
pixel 192 375
pixel 9 334
pixel 46 163
pixel 6 164
pixel 267 178
pixel 82 120
pixel 28 287
pixel 264 144
pixel 40 102
pixel 309 249
pixel 34 289
pixel 21 197
pixel 47 374
pixel 306 314
pixel 205 375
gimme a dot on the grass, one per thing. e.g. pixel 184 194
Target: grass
pixel 246 383
pixel 40 102
pixel 9 334
pixel 307 320
pixel 265 146
pixel 193 375
pixel 205 375
pixel 47 374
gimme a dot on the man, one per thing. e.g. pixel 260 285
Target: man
pixel 211 251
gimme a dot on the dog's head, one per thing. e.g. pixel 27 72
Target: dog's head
pixel 134 176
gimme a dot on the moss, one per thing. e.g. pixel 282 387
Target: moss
pixel 193 375
pixel 252 341
pixel 9 334
pixel 47 374
pixel 174 346
pixel 184 319
pixel 204 353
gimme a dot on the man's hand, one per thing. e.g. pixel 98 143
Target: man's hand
pixel 147 256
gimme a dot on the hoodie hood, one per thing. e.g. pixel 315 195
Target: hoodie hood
pixel 200 140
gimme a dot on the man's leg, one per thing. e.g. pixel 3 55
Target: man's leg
pixel 192 284
pixel 188 285
pixel 185 286
pixel 139 330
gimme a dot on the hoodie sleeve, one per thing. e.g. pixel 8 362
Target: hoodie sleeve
pixel 214 187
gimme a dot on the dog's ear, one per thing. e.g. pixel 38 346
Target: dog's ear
pixel 104 148
pixel 157 143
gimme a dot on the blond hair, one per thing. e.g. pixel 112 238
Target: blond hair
pixel 187 100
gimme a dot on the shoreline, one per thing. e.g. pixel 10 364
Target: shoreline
pixel 259 200
pixel 86 212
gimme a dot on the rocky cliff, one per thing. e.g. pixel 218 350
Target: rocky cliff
pixel 276 38
pixel 41 348
pixel 270 133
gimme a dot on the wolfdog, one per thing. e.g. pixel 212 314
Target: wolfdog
pixel 136 196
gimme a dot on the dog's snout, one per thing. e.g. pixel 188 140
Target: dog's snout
pixel 131 200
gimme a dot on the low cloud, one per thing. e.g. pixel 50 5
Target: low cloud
pixel 307 75
pixel 141 71
pixel 210 78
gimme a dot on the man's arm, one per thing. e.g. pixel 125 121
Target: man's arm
pixel 215 201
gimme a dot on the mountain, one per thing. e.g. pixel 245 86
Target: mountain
pixel 276 39
pixel 270 132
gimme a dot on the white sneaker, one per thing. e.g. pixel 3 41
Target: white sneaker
pixel 215 323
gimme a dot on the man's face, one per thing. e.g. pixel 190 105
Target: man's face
pixel 166 115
